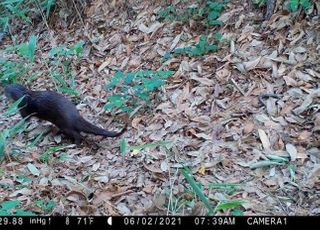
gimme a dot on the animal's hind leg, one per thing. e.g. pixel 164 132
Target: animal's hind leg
pixel 74 135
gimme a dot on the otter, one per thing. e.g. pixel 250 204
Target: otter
pixel 54 107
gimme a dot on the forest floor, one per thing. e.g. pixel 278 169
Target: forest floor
pixel 209 109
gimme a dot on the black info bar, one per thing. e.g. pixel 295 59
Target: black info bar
pixel 158 222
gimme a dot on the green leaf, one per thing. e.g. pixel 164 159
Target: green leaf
pixel 58 78
pixel 264 163
pixel 13 108
pixel 19 127
pixel 237 212
pixel 45 157
pixel 306 4
pixel 293 5
pixel 109 106
pixel 115 80
pixel 165 73
pixel 215 23
pixel 216 6
pixel 22 179
pixel 229 204
pixel 187 175
pixel 278 159
pixel 63 156
pixel 68 90
pixel 4 22
pixel 123 147
pixel 115 97
pixel 3 138
pixel 78 47
pixel 37 140
pixel 28 49
pixel 9 204
pixel 130 77
pixel 136 88
pixel 213 15
pixel 151 145
pixel 292 171
pixel 32 48
pixel 166 57
pixel 260 3
pixel 20 212
pixel 218 36
pixel 52 149
pixel 48 6
pixel 153 84
pixel 45 206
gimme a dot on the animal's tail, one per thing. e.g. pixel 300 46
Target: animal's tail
pixel 87 127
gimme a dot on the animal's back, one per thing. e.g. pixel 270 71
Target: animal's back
pixel 54 107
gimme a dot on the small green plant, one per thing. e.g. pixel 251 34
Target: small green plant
pixel 36 140
pixel 292 170
pixel 197 189
pixel 176 204
pixel 11 71
pixel 203 47
pixel 224 187
pixel 58 62
pixel 271 161
pixel 11 10
pixel 227 189
pixel 294 5
pixel 7 134
pixel 60 58
pixel 23 179
pixel 168 13
pixel 259 3
pixel 229 204
pixel 221 187
pixel 136 89
pixel 45 157
pixel 213 11
pixel 207 13
pixel 27 49
pixel 11 208
pixel 45 206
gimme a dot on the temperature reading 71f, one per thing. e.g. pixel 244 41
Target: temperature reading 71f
pixel 85 220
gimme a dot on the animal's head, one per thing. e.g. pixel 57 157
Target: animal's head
pixel 15 91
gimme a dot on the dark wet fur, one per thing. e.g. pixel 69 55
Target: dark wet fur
pixel 57 109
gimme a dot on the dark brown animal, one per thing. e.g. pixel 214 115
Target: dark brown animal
pixel 57 109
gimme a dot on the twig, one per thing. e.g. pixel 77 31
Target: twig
pixel 237 86
pixel 42 15
pixel 75 6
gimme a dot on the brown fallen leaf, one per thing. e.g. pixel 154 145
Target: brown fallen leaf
pixel 77 197
pixel 248 127
pixel 135 122
pixel 152 168
pixel 148 189
pixel 191 132
pixel 304 135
